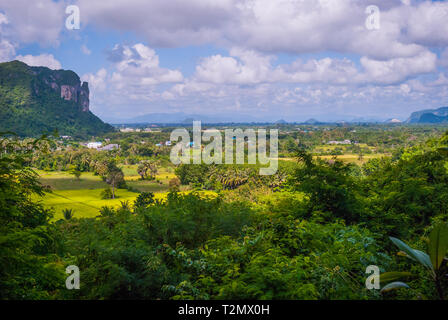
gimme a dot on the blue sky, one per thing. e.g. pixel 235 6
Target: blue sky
pixel 258 59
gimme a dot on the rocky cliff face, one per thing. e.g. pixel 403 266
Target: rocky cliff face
pixel 67 84
pixel 78 94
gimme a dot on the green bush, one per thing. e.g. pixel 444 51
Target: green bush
pixel 106 193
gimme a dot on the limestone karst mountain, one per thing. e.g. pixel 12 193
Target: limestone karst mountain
pixel 439 115
pixel 36 100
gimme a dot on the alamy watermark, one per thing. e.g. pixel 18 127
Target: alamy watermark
pixel 73 20
pixel 373 280
pixel 212 153
pixel 72 281
pixel 373 21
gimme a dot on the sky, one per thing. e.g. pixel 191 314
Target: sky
pixel 261 59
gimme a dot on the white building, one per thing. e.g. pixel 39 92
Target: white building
pixel 94 145
pixel 109 147
pixel 340 142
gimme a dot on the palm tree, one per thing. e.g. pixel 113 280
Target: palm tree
pixel 125 205
pixel 68 214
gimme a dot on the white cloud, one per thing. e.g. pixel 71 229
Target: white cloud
pixel 139 65
pixel 248 67
pixel 405 88
pixel 7 50
pixel 85 50
pixel 97 81
pixel 427 24
pixel 44 60
pixel 135 75
pixel 3 19
pixel 293 26
pixel 378 64
pixel 398 69
pixel 33 21
pixel 166 23
pixel 243 67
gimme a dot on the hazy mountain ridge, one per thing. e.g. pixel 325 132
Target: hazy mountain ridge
pixel 181 117
pixel 439 115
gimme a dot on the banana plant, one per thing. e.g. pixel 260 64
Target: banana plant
pixel 432 260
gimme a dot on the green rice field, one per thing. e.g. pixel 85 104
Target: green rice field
pixel 84 195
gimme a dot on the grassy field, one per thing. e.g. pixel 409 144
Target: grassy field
pixel 354 158
pixel 87 202
pixel 348 158
pixel 58 180
pixel 84 195
pixel 164 175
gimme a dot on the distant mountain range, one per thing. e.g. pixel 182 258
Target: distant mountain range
pixel 439 115
pixel 36 100
pixel 181 117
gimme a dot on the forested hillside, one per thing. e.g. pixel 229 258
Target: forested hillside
pixel 36 100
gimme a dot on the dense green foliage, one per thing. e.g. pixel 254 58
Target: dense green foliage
pixel 307 233
pixel 29 267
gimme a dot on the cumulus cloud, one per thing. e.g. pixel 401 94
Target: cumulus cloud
pixel 369 64
pixel 293 26
pixel 398 69
pixel 249 67
pixel 22 22
pixel 42 60
pixel 97 81
pixel 33 21
pixel 139 65
pixel 134 76
pixel 242 67
pixel 427 24
pixel 163 23
pixel 7 50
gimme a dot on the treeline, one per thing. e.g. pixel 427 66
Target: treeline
pixel 230 177
pixel 86 160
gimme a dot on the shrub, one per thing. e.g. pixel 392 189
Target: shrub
pixel 144 199
pixel 106 211
pixel 106 194
pixel 174 183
